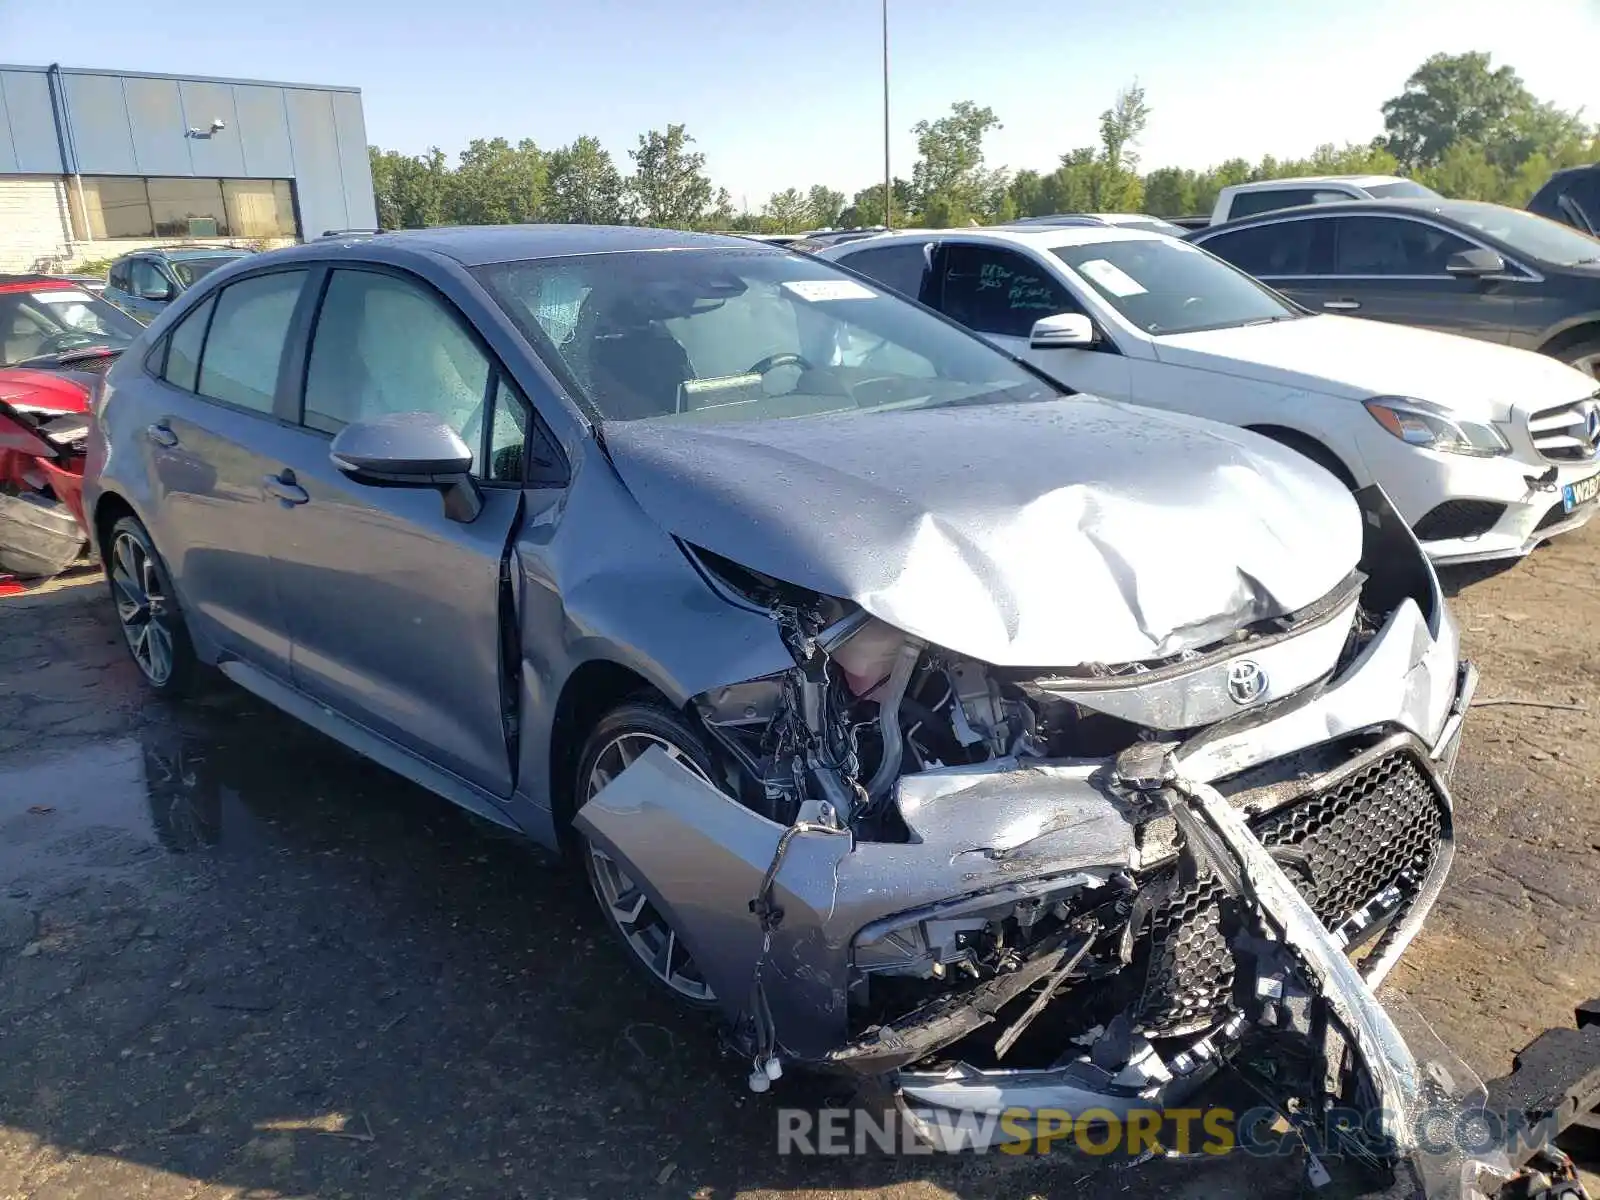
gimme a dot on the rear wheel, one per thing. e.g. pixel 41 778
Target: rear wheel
pixel 654 946
pixel 147 610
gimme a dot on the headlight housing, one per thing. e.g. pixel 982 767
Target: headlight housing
pixel 1419 423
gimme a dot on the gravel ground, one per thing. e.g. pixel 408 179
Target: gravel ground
pixel 236 960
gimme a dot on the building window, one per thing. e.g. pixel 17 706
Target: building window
pixel 176 207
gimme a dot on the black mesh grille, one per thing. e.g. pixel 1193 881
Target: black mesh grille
pixel 1458 519
pixel 1381 825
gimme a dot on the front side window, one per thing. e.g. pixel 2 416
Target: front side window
pixel 1164 287
pixel 1392 246
pixel 1279 248
pixel 148 282
pixel 385 345
pixel 997 291
pixel 741 335
pixel 244 347
pixel 899 267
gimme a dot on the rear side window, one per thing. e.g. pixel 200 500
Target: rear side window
pixel 244 347
pixel 117 277
pixel 899 268
pixel 183 347
pixel 990 289
pixel 1248 204
pixel 1283 248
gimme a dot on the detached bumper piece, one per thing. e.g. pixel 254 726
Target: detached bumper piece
pixel 1553 1089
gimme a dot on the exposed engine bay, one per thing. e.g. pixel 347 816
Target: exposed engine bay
pixel 1095 886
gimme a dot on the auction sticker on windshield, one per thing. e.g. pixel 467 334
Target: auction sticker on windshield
pixel 829 289
pixel 1112 277
pixel 1582 492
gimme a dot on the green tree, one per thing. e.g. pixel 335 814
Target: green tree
pixel 669 184
pixel 787 211
pixel 1453 98
pixel 949 183
pixel 497 183
pixel 1171 192
pixel 867 207
pixel 823 206
pixel 584 185
pixel 411 192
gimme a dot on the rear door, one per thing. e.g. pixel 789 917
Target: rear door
pixel 208 449
pixel 1293 255
pixel 395 610
pixel 999 292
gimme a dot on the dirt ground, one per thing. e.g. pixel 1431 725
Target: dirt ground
pixel 237 961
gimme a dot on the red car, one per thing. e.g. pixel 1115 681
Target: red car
pixel 55 340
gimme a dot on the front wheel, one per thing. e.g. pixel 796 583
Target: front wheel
pixel 147 610
pixel 1585 358
pixel 654 946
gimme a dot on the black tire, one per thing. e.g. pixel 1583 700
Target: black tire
pixel 641 720
pixel 140 563
pixel 1585 357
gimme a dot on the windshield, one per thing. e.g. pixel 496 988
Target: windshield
pixel 190 269
pixel 1535 236
pixel 1403 189
pixel 726 335
pixel 48 322
pixel 1165 286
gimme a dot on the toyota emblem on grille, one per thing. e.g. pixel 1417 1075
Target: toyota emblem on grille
pixel 1247 682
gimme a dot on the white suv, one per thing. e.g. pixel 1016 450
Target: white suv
pixel 1269 195
pixel 1440 422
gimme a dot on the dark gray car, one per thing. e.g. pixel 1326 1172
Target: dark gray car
pixel 898 705
pixel 1460 266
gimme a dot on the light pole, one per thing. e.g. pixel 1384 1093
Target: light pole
pixel 888 184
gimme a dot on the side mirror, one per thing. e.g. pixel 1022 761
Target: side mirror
pixel 1474 262
pixel 410 450
pixel 1062 330
pixel 162 292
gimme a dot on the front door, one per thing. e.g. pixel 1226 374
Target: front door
pixel 207 447
pixel 394 609
pixel 999 293
pixel 1390 268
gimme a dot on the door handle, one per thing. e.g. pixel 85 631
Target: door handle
pixel 285 488
pixel 1342 305
pixel 160 434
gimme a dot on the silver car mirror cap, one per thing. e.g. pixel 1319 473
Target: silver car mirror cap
pixel 1064 330
pixel 410 450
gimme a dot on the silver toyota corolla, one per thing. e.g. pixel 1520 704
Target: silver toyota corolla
pixel 1013 747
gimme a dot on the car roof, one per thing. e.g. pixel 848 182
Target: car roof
pixel 1358 180
pixel 182 252
pixel 1034 237
pixel 1431 206
pixel 479 245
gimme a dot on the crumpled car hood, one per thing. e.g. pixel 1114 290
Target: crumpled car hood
pixel 1052 533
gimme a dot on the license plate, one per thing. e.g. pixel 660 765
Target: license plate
pixel 1580 493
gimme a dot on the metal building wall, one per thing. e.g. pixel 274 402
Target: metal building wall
pixel 59 121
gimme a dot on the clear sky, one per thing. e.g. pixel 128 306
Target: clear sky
pixel 791 94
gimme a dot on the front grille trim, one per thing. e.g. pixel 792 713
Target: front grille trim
pixel 1189 984
pixel 1560 433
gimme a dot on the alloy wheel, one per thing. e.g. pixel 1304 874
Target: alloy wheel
pixel 142 608
pixel 646 931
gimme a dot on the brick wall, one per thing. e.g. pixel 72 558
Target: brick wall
pixel 33 221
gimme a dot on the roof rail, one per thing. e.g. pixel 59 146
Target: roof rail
pixel 337 233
